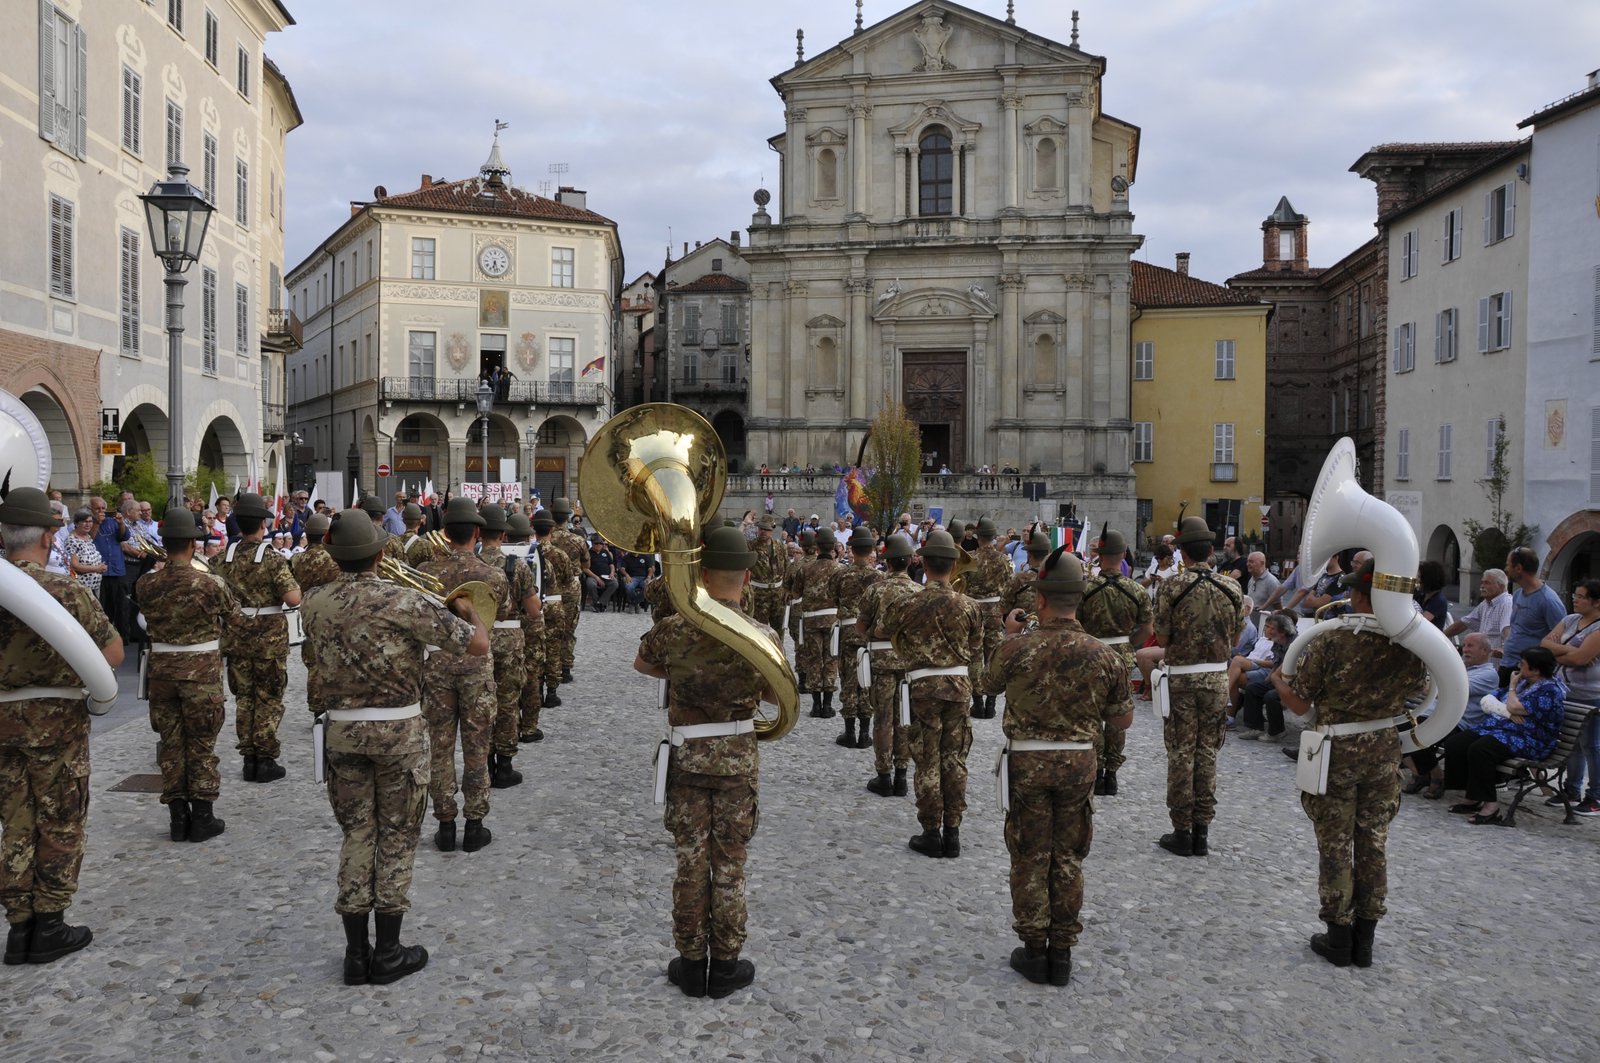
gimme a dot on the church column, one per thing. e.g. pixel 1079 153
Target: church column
pixel 1011 103
pixel 793 162
pixel 1012 357
pixel 800 355
pixel 859 110
pixel 1080 149
pixel 1079 368
pixel 859 288
pixel 901 156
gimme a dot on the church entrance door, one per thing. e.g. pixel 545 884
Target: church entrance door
pixel 934 390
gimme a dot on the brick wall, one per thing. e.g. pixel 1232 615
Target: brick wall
pixel 71 376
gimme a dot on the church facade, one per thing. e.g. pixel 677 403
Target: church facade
pixel 952 231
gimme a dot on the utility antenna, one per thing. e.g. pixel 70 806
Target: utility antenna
pixel 559 169
pixel 544 189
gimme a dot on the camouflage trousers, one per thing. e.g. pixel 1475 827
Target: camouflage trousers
pixel 257 685
pixel 44 807
pixel 939 737
pixel 1194 735
pixel 454 702
pixel 188 716
pixel 769 609
pixel 568 628
pixel 510 675
pixel 532 698
pixel 820 667
pixel 556 633
pixel 794 627
pixel 994 631
pixel 891 743
pixel 378 800
pixel 1352 824
pixel 1048 831
pixel 1113 740
pixel 711 818
pixel 854 702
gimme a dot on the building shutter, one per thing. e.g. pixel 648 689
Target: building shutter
pixel 1594 455
pixel 1416 252
pixel 1505 319
pixel 1595 349
pixel 1508 226
pixel 1483 326
pixel 1488 215
pixel 1438 337
pixel 80 93
pixel 47 70
pixel 1459 215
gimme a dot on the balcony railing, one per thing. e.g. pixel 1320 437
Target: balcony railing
pixel 710 387
pixel 283 327
pixel 463 391
pixel 271 420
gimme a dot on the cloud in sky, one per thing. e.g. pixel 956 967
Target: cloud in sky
pixel 662 111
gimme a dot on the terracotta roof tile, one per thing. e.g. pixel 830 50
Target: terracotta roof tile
pixel 714 282
pixel 1154 287
pixel 1467 147
pixel 475 196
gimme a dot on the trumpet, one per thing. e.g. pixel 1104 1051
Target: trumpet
pixel 147 546
pixel 403 575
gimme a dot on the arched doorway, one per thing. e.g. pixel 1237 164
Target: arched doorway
pixel 558 450
pixel 65 473
pixel 1445 548
pixel 729 427
pixel 504 450
pixel 422 453
pixel 1578 559
pixel 144 431
pixel 222 448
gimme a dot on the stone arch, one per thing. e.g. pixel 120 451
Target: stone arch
pixel 1044 360
pixel 556 456
pixel 420 451
pixel 222 447
pixel 1444 546
pixel 144 431
pixel 1574 550
pixel 79 407
pixel 730 429
pixel 562 430
pixel 64 466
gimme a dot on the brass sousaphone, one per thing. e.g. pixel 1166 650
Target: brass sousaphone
pixel 651 478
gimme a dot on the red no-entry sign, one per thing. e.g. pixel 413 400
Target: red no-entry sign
pixel 383 470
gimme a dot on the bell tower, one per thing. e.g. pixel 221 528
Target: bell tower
pixel 1284 243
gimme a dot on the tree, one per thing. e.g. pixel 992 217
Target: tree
pixel 139 475
pixel 1491 542
pixel 894 451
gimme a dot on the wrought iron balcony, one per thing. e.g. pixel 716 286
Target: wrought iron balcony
pixel 465 392
pixel 719 387
pixel 271 421
pixel 283 329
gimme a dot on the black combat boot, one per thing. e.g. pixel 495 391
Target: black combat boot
pixel 392 961
pixel 178 809
pixel 881 785
pixel 688 975
pixel 445 836
pixel 17 938
pixel 1032 962
pixel 816 704
pixel 848 739
pixel 566 675
pixel 476 837
pixel 977 706
pixel 357 949
pixel 551 698
pixel 988 706
pixel 1361 942
pixel 801 684
pixel 827 705
pixel 952 842
pixel 1100 784
pixel 203 825
pixel 1200 839
pixel 928 843
pixel 502 775
pixel 269 770
pixel 900 782
pixel 250 767
pixel 1334 946
pixel 1180 842
pixel 1109 784
pixel 53 938
pixel 726 976
pixel 537 736
pixel 1060 965
pixel 864 736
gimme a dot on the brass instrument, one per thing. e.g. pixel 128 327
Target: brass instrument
pixel 651 478
pixel 964 564
pixel 402 574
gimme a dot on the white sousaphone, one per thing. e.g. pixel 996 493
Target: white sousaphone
pixel 1340 516
pixel 25 462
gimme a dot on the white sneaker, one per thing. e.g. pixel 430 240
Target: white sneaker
pixel 1246 734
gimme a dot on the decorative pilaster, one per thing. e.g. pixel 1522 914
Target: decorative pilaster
pixel 859 111
pixel 1011 108
pixel 1012 376
pixel 859 288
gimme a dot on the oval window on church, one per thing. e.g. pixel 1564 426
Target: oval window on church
pixel 935 172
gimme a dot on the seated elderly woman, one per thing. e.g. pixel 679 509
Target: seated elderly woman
pixel 1534 703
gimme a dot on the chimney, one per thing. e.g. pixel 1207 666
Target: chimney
pixel 1594 79
pixel 733 237
pixel 1183 263
pixel 573 197
pixel 686 248
pixel 427 180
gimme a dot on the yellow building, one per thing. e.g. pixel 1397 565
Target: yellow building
pixel 1199 402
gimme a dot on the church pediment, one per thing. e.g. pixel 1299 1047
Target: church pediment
pixel 822 321
pixel 935 112
pixel 827 136
pixel 923 303
pixel 1044 317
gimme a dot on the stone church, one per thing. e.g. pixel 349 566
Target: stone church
pixel 952 229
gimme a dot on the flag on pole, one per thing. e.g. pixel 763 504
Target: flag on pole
pixel 212 503
pixel 427 494
pixel 595 367
pixel 355 490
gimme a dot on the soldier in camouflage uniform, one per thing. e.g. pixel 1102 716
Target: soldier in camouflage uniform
pixel 1198 618
pixel 818 613
pixel 507 639
pixel 44 746
pixel 793 577
pixel 572 544
pixel 769 564
pixel 1115 610
pixel 985 583
pixel 518 533
pixel 1354 677
pixel 655 596
pixel 312 567
pixel 394 547
pixel 560 575
pixel 890 745
pixel 418 549
pixel 186 612
pixel 938 633
pixel 258 648
pixel 711 799
pixel 1019 592
pixel 368 639
pixel 849 584
pixel 459 695
pixel 1061 686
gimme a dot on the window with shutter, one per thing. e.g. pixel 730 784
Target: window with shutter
pixel 63 81
pixel 1452 234
pixel 241 208
pixel 1444 342
pixel 1492 440
pixel 241 316
pixel 132 93
pixel 128 293
pixel 1499 213
pixel 211 38
pixel 1444 451
pixel 1594 350
pixel 174 134
pixel 1594 455
pixel 1483 326
pixel 208 321
pixel 1225 365
pixel 63 283
pixel 1144 355
pixel 1143 441
pixel 244 72
pixel 208 169
pixel 1402 455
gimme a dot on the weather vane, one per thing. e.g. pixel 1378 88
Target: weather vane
pixel 499 125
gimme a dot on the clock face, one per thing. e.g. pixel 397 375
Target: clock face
pixel 494 261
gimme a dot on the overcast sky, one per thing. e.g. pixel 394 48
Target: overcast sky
pixel 662 110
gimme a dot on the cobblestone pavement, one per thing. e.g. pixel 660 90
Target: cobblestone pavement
pixel 552 943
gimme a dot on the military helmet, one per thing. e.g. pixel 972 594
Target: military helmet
pixel 1062 571
pixel 462 510
pixel 353 537
pixel 808 538
pixel 1111 544
pixel 494 519
pixel 411 512
pixel 899 546
pixel 726 551
pixel 862 539
pixel 940 544
pixel 371 505
pixel 250 505
pixel 179 524
pixel 28 507
pixel 561 509
pixel 1194 530
pixel 957 530
pixel 317 526
pixel 826 539
pixel 542 521
pixel 987 528
pixel 1039 545
pixel 517 525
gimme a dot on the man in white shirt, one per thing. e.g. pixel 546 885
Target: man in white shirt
pixel 1492 615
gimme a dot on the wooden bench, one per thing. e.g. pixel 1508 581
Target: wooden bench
pixel 1528 774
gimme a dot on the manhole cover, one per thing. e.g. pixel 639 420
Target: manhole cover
pixel 138 784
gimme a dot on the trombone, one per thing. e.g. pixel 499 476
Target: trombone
pixel 403 575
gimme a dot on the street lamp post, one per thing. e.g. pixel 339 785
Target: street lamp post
pixel 485 407
pixel 178 215
pixel 531 434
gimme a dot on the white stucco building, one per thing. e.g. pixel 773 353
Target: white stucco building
pixel 418 296
pixel 97 98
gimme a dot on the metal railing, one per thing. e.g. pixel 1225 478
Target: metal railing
pixel 282 325
pixel 523 392
pixel 711 387
pixel 272 420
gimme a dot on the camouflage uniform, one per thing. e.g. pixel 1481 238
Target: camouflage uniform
pixel 459 694
pixel 711 800
pixel 419 550
pixel 577 551
pixel 44 757
pixel 1354 676
pixel 560 619
pixel 312 567
pixel 793 589
pixel 510 662
pixel 1115 606
pixel 771 563
pixel 257 648
pixel 820 667
pixel 1061 685
pixel 533 640
pixel 1201 629
pixel 936 628
pixel 850 583
pixel 184 606
pixel 988 578
pixel 367 638
pixel 890 746
pixel 394 547
pixel 1020 594
pixel 655 595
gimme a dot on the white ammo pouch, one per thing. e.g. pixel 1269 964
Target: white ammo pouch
pixel 319 748
pixel 1316 751
pixel 676 736
pixel 1002 763
pixel 790 604
pixel 864 661
pixel 297 627
pixel 921 673
pixel 1162 692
